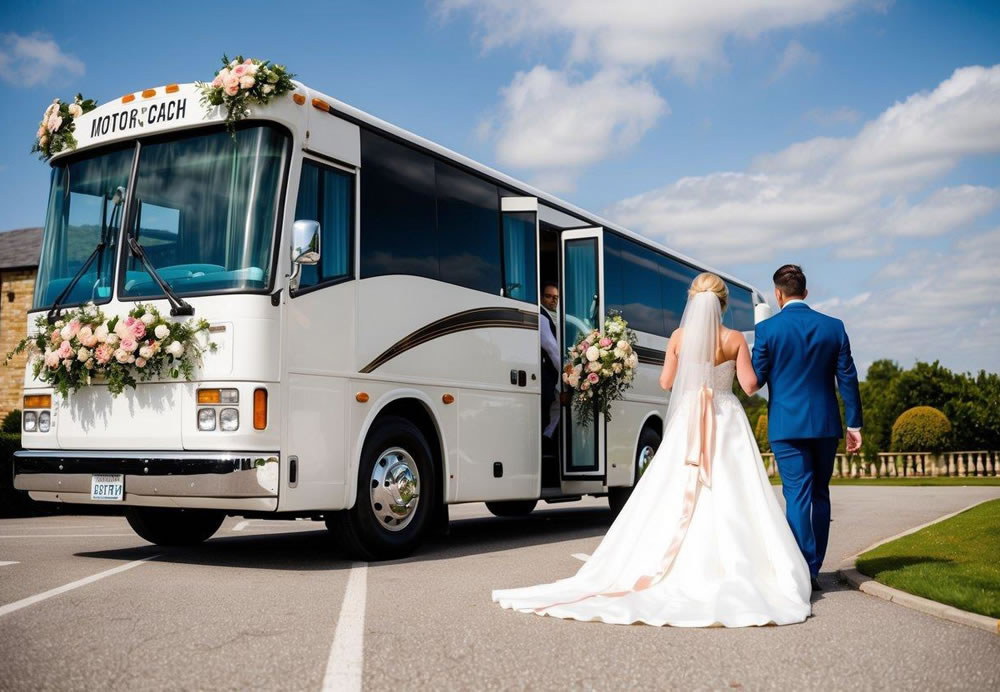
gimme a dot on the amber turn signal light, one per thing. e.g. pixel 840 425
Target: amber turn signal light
pixel 259 409
pixel 38 401
pixel 209 396
pixel 447 398
pixel 361 396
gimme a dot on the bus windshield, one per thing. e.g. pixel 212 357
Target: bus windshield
pixel 205 212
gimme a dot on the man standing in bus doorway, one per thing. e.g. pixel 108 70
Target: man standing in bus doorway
pixel 548 330
pixel 801 354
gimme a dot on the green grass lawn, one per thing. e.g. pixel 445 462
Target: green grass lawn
pixel 930 480
pixel 956 561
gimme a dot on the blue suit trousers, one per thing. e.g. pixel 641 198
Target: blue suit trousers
pixel 805 467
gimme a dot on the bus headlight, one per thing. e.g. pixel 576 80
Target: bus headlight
pixel 44 421
pixel 206 419
pixel 229 419
pixel 30 421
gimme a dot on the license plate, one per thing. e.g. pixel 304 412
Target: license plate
pixel 107 486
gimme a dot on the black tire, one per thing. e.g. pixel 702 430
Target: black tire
pixel 511 508
pixel 165 526
pixel 617 497
pixel 361 532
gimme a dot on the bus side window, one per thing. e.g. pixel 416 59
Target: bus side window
pixel 327 195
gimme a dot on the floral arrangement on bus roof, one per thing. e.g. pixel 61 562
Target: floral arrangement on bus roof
pixel 55 132
pixel 241 83
pixel 69 353
pixel 601 367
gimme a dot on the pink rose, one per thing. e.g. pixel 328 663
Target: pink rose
pixel 52 360
pixel 140 362
pixel 248 62
pixel 138 329
pixel 65 349
pixel 246 82
pixel 593 378
pixel 55 336
pixel 128 344
pixel 217 82
pixel 584 346
pixel 87 337
pixel 240 70
pixel 605 342
pixel 103 353
pixel 231 85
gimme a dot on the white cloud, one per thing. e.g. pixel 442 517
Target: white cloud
pixel 853 193
pixel 686 35
pixel 931 306
pixel 28 61
pixel 556 125
pixel 795 55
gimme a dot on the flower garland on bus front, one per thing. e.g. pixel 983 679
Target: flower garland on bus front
pixel 83 346
pixel 241 83
pixel 601 368
pixel 55 131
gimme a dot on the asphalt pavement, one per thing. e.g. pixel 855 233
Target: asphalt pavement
pixel 86 604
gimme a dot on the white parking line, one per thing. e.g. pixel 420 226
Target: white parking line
pixel 5 563
pixel 242 525
pixel 67 535
pixel 582 557
pixel 31 600
pixel 346 661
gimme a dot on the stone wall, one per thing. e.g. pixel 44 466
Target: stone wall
pixel 13 324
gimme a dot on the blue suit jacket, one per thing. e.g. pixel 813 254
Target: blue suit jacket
pixel 800 354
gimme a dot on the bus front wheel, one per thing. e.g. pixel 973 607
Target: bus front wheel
pixel 396 494
pixel 166 526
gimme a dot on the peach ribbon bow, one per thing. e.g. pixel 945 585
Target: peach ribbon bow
pixel 701 436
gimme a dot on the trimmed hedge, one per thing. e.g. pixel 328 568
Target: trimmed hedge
pixel 921 429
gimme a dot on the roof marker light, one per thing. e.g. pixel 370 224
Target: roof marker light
pixel 321 105
pixel 128 98
pixel 148 93
pixel 299 98
pixel 172 88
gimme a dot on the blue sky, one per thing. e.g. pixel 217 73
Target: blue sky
pixel 859 139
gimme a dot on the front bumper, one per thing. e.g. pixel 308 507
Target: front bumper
pixel 208 480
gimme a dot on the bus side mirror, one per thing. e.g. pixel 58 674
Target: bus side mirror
pixel 305 242
pixel 761 312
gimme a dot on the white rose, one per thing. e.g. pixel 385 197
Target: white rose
pixel 593 353
pixel 122 356
pixel 146 352
pixel 60 324
pixel 594 367
pixel 66 333
pixel 140 362
pixel 120 329
pixel 148 319
pixel 604 353
pixel 622 344
pixel 162 331
pixel 175 348
pixel 616 367
pixel 111 339
pixel 101 333
pixel 633 361
pixel 573 380
pixel 83 354
pixel 267 88
pixel 75 111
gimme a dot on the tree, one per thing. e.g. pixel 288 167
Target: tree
pixel 921 429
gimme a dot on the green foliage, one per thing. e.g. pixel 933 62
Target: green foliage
pixel 921 429
pixel 55 131
pixel 760 432
pixel 754 405
pixel 12 422
pixel 971 403
pixel 240 83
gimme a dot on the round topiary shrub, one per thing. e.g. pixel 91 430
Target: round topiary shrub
pixel 921 429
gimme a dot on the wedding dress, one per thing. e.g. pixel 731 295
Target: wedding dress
pixel 702 541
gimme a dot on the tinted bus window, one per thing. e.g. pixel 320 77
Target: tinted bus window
pixel 676 277
pixel 642 302
pixel 468 223
pixel 739 315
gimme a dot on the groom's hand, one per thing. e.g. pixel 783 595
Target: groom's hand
pixel 853 441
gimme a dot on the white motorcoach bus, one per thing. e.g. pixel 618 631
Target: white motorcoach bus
pixel 375 301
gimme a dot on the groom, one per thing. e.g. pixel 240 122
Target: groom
pixel 799 354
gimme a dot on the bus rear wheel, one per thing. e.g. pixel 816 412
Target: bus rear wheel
pixel 511 508
pixel 649 442
pixel 396 494
pixel 167 526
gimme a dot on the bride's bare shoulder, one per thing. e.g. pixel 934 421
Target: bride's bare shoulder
pixel 675 339
pixel 731 340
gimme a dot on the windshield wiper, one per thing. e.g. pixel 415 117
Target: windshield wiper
pixel 98 253
pixel 178 306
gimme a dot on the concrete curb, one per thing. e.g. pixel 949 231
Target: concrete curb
pixel 862 582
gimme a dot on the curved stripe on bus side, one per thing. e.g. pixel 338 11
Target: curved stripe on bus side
pixel 478 318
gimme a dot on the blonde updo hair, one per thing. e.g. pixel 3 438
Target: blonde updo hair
pixel 709 282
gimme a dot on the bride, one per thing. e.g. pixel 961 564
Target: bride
pixel 702 541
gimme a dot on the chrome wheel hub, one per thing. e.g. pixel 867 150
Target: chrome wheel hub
pixel 394 489
pixel 645 456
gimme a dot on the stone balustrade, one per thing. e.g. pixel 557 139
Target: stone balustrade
pixel 979 464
